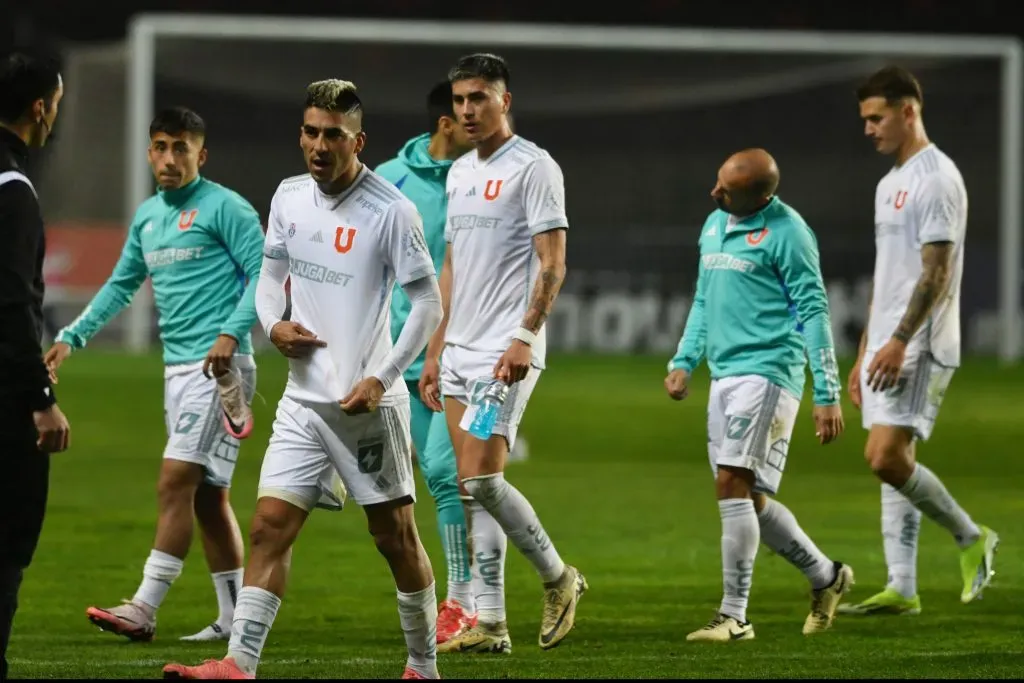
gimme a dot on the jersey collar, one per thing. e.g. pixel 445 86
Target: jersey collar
pixel 180 194
pixel 497 153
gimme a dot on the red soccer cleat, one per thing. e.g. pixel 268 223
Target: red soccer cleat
pixel 452 619
pixel 212 669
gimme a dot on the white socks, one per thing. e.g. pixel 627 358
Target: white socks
pixel 928 495
pixel 227 585
pixel 517 517
pixel 740 537
pixel 418 614
pixel 781 532
pixel 158 574
pixel 488 565
pixel 256 610
pixel 462 593
pixel 901 524
pixel 254 615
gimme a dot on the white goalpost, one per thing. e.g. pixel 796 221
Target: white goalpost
pixel 146 29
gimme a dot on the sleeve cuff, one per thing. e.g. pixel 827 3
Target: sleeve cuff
pixel 675 364
pixel 42 398
pixel 388 375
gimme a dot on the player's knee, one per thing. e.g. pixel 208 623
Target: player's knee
pixel 734 482
pixel 889 457
pixel 394 532
pixel 212 503
pixel 441 478
pixel 178 483
pixel 487 489
pixel 272 532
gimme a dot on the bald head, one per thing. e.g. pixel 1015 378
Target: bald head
pixel 746 181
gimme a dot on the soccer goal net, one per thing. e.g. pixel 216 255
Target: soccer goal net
pixel 640 121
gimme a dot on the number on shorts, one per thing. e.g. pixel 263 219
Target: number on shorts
pixel 186 421
pixel 737 426
pixel 227 449
pixel 370 457
pixel 777 454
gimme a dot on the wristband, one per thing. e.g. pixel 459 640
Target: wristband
pixel 525 336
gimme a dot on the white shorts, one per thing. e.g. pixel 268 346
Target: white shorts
pixel 195 419
pixel 464 377
pixel 915 400
pixel 313 444
pixel 750 423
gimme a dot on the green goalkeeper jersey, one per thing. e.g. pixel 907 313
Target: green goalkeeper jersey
pixel 202 245
pixel 761 306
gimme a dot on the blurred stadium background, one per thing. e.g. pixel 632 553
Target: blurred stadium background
pixel 639 135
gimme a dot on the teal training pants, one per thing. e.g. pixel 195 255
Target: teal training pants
pixel 436 456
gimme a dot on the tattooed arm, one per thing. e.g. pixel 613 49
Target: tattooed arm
pixel 936 259
pixel 544 207
pixel 550 248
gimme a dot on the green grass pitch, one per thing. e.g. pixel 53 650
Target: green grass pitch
pixel 620 478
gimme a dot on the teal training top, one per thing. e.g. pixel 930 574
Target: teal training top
pixel 761 307
pixel 202 245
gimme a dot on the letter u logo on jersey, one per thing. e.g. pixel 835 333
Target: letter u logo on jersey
pixel 901 199
pixel 343 239
pixel 186 219
pixel 492 190
pixel 755 238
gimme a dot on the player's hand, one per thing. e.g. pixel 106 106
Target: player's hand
pixel 885 367
pixel 364 398
pixel 53 428
pixel 220 355
pixel 293 340
pixel 853 384
pixel 677 384
pixel 514 363
pixel 430 385
pixel 57 354
pixel 828 423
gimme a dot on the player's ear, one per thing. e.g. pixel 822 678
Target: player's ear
pixel 202 156
pixel 360 141
pixel 506 102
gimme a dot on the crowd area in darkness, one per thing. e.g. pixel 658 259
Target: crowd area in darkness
pixel 67 20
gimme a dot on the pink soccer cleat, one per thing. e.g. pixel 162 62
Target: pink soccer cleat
pixel 212 669
pixel 413 675
pixel 452 619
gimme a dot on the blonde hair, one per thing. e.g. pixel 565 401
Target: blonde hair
pixel 333 94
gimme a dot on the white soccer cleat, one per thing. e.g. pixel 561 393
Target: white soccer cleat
pixel 129 619
pixel 211 633
pixel 238 418
pixel 723 629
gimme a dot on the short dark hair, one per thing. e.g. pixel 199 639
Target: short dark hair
pixel 177 121
pixel 893 83
pixel 334 94
pixel 489 67
pixel 24 78
pixel 439 103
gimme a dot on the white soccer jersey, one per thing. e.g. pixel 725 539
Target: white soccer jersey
pixel 922 201
pixel 345 253
pixel 495 208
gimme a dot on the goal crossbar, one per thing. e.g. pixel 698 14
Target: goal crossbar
pixel 145 29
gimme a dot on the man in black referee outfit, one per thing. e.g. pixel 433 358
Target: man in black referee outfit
pixel 31 424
